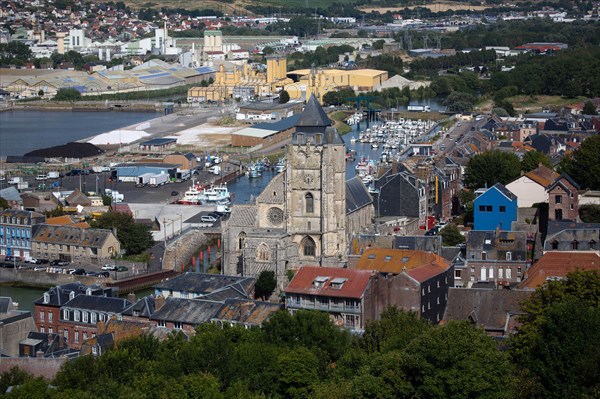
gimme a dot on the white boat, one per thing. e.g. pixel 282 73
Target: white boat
pixel 192 196
pixel 254 171
pixel 215 194
pixel 280 165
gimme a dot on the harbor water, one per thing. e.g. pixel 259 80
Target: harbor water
pixel 22 131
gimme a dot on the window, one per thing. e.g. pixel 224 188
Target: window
pixel 76 337
pixel 178 325
pixel 554 244
pixel 161 323
pixel 66 335
pixel 309 203
pixel 94 317
pixel 508 273
pixel 483 256
pixel 241 238
pixel 519 269
pixel 85 335
pixel 502 208
pixel 558 214
pixel 308 247
pixel 42 330
pixel 558 199
pixel 42 315
pixel 101 316
pixel 457 274
pixel 571 195
pixel 572 206
pixel 85 317
pixel 50 317
pixel 500 273
pixel 263 253
pixel 509 256
pixel 76 314
pixel 65 314
pixel 575 244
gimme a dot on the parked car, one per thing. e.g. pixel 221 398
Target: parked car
pixel 122 268
pixel 174 193
pixel 39 268
pixel 103 274
pixel 109 267
pixel 12 259
pixel 91 273
pixel 77 272
pixel 7 265
pixel 40 177
pixel 35 261
pixel 208 218
pixel 57 262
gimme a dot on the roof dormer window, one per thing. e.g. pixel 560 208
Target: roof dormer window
pixel 320 281
pixel 338 282
pixel 46 297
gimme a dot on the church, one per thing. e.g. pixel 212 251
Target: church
pixel 306 214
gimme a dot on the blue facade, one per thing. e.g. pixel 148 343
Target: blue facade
pixel 495 208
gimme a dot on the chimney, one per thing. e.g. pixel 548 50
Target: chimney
pixel 131 297
pixel 39 353
pixel 159 301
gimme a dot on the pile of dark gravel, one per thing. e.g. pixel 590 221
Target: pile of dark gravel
pixel 69 150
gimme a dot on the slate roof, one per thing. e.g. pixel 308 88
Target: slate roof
pixel 187 311
pixel 10 194
pixel 243 215
pixel 70 235
pixel 252 313
pixel 419 265
pixel 313 115
pixel 203 284
pixel 19 214
pixel 59 295
pixel 419 243
pixel 274 193
pixel 279 126
pixel 567 178
pixel 509 194
pixel 354 285
pixel 556 226
pixel 142 308
pixel 484 307
pixel 77 197
pixel 357 195
pixel 98 303
pixel 557 264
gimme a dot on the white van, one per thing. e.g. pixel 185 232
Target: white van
pixel 40 177
pixel 208 219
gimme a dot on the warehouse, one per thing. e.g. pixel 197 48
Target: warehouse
pixel 265 134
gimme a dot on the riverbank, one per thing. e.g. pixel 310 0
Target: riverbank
pixel 91 106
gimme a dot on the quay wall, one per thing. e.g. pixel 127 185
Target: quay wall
pixel 45 280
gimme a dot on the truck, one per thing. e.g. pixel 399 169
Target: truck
pixel 15 180
pixel 183 175
pixel 100 169
pixel 158 180
pixel 215 169
pixel 117 197
pixel 144 179
pixel 419 108
pixel 22 185
pixel 52 175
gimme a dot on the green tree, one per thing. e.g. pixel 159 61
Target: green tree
pixel 394 330
pixel 297 371
pixel 492 167
pixel 134 237
pixel 265 284
pixel 584 164
pixel 589 213
pixel 589 108
pixel 268 50
pixel 532 159
pixel 459 102
pixel 4 203
pixel 284 97
pixel 451 235
pixel 459 361
pixel 558 341
pixel 68 94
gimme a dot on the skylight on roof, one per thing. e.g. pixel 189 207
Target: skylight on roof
pixel 372 256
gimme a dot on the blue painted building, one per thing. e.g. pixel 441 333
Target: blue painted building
pixel 494 207
pixel 16 230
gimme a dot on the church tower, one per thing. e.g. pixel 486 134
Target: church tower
pixel 315 189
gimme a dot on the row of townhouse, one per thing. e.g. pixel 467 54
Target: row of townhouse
pixel 25 234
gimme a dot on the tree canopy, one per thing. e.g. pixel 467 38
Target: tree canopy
pixel 583 165
pixel 451 235
pixel 68 94
pixel 134 237
pixel 491 167
pixel 532 159
pixel 589 213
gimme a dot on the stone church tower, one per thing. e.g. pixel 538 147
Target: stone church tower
pixel 315 190
pixel 300 217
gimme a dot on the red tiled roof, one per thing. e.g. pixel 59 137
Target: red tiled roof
pixel 543 175
pixel 354 286
pixel 558 264
pixel 419 265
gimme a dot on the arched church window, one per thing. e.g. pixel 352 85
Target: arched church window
pixel 241 238
pixel 309 202
pixel 263 252
pixel 308 247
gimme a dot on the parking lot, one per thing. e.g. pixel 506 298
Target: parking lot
pixel 124 269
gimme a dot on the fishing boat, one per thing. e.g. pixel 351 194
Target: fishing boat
pixel 254 171
pixel 280 165
pixel 215 194
pixel 192 196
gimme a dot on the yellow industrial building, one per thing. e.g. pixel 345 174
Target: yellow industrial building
pixel 241 82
